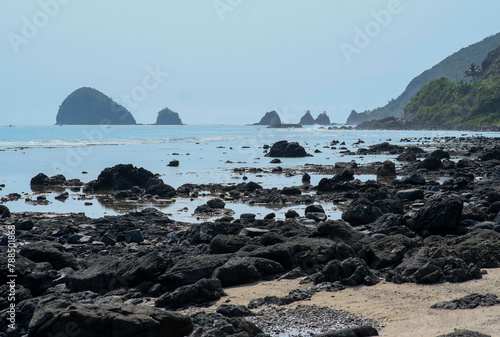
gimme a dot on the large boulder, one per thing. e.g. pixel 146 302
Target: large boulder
pixel 168 117
pixel 156 186
pixel 333 184
pixel 127 176
pixel 50 252
pixel 490 154
pixel 429 265
pixel 56 317
pixel 387 169
pixel 388 252
pixel 350 272
pixel 285 149
pixel 270 118
pixel 440 215
pixel 306 253
pixel 43 179
pixel 383 148
pixel 360 212
pixel 224 244
pixel 371 205
pixel 108 273
pixel 246 270
pixel 120 177
pixel 205 290
pixel 431 163
pixel 480 247
pixel 341 232
pixel 191 269
pixel 87 106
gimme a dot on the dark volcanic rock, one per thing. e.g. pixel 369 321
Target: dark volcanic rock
pixel 229 310
pixel 361 331
pixel 108 273
pixel 322 119
pixel 433 265
pixel 469 302
pixel 314 209
pixel 216 325
pixel 464 333
pixel 126 177
pixel 411 194
pixel 192 269
pixel 4 212
pixel 224 244
pixel 205 290
pixel 384 148
pixel 285 149
pixel 51 252
pixel 389 123
pixel 350 272
pixel 216 203
pixel 307 253
pixel 42 179
pixel 430 163
pixel 341 232
pixel 173 163
pixel 332 184
pixel 388 252
pixel 120 177
pixel 291 191
pixel 270 118
pixel 490 154
pixel 87 106
pixel 168 117
pixel 410 154
pixel 55 317
pixel 371 205
pixel 438 216
pixel 25 224
pixel 388 169
pixel 307 119
pixel 156 186
pixel 246 270
pixel 480 247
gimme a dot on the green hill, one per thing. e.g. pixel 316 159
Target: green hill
pixel 450 68
pixel 446 103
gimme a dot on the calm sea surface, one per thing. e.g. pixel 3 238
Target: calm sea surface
pixel 207 154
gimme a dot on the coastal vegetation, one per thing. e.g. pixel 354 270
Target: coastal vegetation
pixel 451 68
pixel 443 102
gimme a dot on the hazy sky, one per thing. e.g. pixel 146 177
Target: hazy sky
pixel 227 61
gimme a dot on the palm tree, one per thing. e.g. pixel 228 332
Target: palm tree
pixel 473 71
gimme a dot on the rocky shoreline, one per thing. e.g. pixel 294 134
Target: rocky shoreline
pixel 135 274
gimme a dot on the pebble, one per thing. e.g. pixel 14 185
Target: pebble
pixel 305 320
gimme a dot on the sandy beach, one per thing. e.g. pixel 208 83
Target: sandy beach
pixel 401 310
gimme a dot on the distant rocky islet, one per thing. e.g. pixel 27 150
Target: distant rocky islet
pixel 88 106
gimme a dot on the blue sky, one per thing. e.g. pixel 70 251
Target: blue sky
pixel 227 61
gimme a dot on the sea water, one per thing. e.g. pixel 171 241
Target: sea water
pixel 207 154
